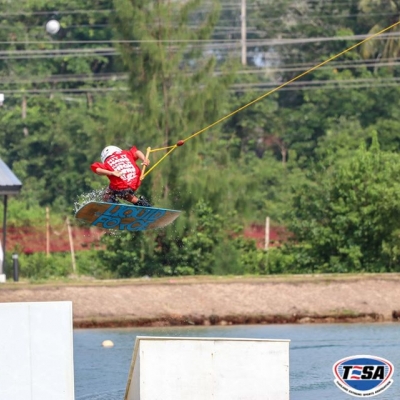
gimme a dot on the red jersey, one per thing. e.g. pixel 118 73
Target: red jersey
pixel 125 162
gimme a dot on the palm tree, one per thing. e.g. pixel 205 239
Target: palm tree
pixel 381 14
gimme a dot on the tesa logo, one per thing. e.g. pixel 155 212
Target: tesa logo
pixel 363 376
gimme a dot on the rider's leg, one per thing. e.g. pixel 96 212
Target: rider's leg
pixel 138 201
pixel 109 196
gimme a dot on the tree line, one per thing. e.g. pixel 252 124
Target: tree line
pixel 318 157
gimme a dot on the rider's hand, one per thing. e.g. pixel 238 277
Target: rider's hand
pixel 117 173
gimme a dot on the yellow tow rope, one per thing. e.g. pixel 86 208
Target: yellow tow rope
pixel 181 142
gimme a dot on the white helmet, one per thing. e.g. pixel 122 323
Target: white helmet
pixel 108 151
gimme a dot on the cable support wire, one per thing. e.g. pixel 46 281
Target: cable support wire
pixel 181 142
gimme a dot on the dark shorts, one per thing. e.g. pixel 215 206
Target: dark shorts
pixel 112 196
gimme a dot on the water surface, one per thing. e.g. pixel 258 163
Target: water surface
pixel 101 373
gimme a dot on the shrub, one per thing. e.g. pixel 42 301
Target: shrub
pixel 38 266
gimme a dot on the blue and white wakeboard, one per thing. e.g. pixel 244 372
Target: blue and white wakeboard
pixel 125 217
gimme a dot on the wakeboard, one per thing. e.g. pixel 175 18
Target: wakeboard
pixel 125 217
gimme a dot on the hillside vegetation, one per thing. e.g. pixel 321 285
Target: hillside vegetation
pixel 319 157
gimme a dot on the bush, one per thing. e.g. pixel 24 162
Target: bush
pixel 278 261
pixel 226 260
pixel 210 244
pixel 87 263
pixel 38 266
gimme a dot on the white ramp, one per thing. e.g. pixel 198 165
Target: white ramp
pixel 36 351
pixel 183 368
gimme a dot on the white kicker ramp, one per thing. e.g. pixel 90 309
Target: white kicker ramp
pixel 36 351
pixel 183 368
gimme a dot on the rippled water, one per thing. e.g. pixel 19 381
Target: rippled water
pixel 101 373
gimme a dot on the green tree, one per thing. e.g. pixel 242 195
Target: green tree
pixel 34 56
pixel 50 162
pixel 209 244
pixel 342 103
pixel 377 15
pixel 172 81
pixel 50 139
pixel 125 255
pixel 346 218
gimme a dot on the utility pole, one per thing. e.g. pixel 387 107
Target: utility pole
pixel 243 20
pixel 47 231
pixel 71 245
pixel 266 245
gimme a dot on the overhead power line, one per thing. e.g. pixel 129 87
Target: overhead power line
pixel 315 83
pixel 56 12
pixel 207 45
pixel 61 78
pixel 225 5
pixel 255 42
pixel 262 71
pixel 245 89
pixel 55 51
pixel 228 45
pixel 329 85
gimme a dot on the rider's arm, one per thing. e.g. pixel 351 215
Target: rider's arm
pixel 101 171
pixel 142 157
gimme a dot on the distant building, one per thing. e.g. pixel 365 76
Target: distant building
pixel 9 185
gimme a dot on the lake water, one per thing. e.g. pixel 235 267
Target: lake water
pixel 101 373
